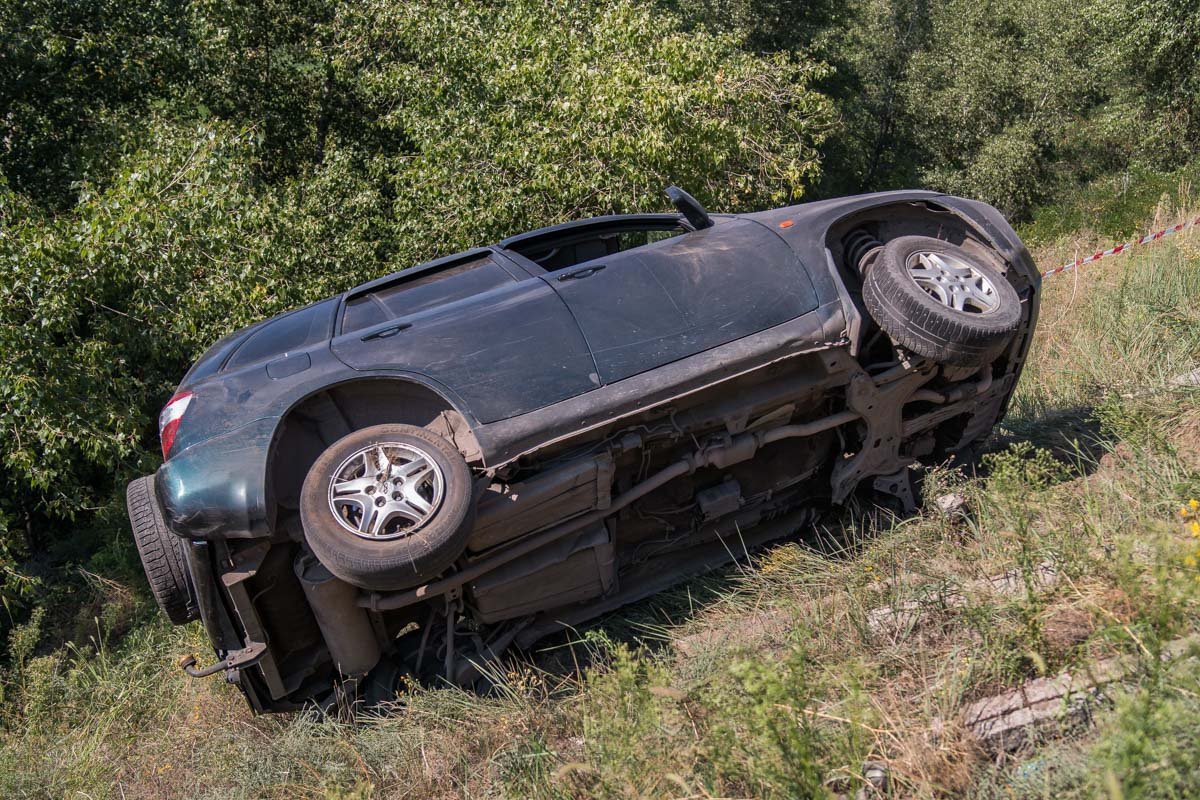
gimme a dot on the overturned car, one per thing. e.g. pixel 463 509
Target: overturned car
pixel 416 475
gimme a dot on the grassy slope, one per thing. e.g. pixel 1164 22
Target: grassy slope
pixel 765 681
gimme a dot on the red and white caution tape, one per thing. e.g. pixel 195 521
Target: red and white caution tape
pixel 1112 251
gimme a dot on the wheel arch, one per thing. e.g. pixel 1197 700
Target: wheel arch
pixel 316 420
pixel 891 220
pixel 971 224
pixel 853 238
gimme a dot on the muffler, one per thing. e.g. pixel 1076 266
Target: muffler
pixel 344 624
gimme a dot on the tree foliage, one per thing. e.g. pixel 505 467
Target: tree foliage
pixel 1010 101
pixel 171 170
pixel 996 95
pixel 72 74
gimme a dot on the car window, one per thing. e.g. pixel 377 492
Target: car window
pixel 575 247
pixel 403 297
pixel 292 331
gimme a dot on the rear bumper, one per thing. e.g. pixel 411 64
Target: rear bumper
pixel 218 613
pixel 217 489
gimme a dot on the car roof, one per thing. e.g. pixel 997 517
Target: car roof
pixel 410 272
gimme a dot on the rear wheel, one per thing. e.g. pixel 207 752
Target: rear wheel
pixel 161 551
pixel 941 301
pixel 388 507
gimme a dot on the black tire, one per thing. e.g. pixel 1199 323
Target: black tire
pixel 922 324
pixel 395 563
pixel 161 551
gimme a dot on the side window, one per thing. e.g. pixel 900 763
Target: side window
pixel 632 239
pixel 403 297
pixel 575 247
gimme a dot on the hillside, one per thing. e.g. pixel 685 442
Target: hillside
pixel 174 170
pixel 865 640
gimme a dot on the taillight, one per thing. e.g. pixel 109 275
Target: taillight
pixel 169 418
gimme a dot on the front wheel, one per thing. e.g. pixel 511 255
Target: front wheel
pixel 941 301
pixel 387 507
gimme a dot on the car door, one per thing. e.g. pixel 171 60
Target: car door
pixel 496 336
pixel 648 306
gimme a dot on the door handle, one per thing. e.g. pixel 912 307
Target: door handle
pixel 581 273
pixel 387 332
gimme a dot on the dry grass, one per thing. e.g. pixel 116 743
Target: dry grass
pixel 773 682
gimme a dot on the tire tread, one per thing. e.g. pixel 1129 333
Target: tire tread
pixel 161 553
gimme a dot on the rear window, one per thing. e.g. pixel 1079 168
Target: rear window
pixel 454 282
pixel 209 363
pixel 290 332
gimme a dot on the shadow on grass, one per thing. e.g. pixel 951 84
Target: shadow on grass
pixel 1073 435
pixel 652 624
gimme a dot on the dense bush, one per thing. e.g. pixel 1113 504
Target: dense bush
pixel 995 97
pixel 1011 101
pixel 72 77
pixel 544 112
pixel 1156 69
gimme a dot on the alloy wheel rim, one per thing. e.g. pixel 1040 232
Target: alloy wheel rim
pixel 385 491
pixel 953 282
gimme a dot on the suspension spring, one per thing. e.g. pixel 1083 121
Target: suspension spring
pixel 860 246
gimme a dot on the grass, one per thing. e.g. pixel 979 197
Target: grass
pixel 768 680
pixel 1115 207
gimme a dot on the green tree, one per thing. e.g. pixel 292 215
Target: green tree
pixel 74 78
pixel 995 95
pixel 548 111
pixel 1154 57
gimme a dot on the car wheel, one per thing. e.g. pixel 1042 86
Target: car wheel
pixel 161 552
pixel 940 301
pixel 388 507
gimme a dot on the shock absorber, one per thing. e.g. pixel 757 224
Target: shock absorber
pixel 860 246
